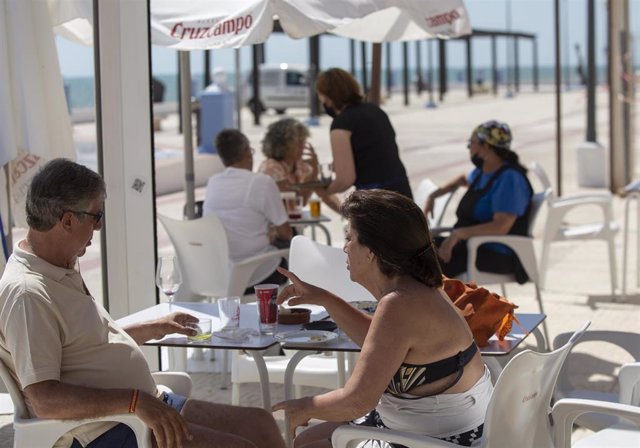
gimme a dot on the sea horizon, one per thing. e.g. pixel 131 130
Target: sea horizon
pixel 79 89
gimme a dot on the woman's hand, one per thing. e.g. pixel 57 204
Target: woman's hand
pixel 300 292
pixel 428 206
pixel 294 413
pixel 309 155
pixel 446 248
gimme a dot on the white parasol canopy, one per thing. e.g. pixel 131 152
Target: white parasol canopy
pixel 212 24
pixel 33 111
pixel 205 24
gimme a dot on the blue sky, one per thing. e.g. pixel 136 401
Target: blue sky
pixel 533 16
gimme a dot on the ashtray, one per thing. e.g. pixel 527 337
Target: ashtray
pixel 324 325
pixel 292 316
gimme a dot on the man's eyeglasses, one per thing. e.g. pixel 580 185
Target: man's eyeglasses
pixel 97 217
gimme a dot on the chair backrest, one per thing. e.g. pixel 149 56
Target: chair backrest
pixel 518 412
pixel 628 341
pixel 536 203
pixel 425 188
pixel 541 174
pixel 203 253
pixel 20 407
pixel 326 267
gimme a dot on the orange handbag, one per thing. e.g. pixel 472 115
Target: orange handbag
pixel 486 312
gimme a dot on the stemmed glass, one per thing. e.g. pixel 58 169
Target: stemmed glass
pixel 168 277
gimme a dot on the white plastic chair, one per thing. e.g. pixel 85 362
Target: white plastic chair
pixel 31 432
pixel 323 266
pixel 628 376
pixel 556 229
pixel 523 248
pixel 625 434
pixel 203 253
pixel 208 272
pixel 517 415
pixel 440 205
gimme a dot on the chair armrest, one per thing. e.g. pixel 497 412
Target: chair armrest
pixel 602 201
pixel 45 432
pixel 178 382
pixel 585 197
pixel 242 271
pixel 348 437
pixel 521 245
pixel 629 379
pixel 566 411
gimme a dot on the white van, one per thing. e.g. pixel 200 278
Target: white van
pixel 281 86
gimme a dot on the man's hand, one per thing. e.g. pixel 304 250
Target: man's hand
pixel 169 427
pixel 178 322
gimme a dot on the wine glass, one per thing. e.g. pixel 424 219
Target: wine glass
pixel 168 277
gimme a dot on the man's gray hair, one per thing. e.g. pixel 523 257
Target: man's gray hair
pixel 61 186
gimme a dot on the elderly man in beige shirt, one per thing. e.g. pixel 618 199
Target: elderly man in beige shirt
pixel 71 359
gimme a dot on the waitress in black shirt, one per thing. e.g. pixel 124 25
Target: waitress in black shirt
pixel 363 142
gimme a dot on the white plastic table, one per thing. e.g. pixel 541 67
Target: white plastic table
pixel 314 223
pixel 254 345
pixel 530 325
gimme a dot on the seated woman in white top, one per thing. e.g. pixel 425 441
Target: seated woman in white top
pixel 419 369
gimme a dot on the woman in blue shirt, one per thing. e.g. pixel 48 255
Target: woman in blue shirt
pixel 497 202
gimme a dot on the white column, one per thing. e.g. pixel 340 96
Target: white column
pixel 126 140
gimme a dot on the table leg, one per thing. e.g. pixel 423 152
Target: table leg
pixel 326 232
pixel 288 383
pixel 264 378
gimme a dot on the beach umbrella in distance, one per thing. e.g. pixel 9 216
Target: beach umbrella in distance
pixel 34 119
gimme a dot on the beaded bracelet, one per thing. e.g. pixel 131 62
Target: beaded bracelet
pixel 134 401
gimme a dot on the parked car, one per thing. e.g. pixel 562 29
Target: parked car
pixel 281 86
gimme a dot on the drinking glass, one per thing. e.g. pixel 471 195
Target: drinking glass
pixel 229 312
pixel 168 277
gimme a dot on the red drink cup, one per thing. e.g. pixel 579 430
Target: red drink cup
pixel 267 307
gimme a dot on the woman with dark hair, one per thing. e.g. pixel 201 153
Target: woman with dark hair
pixel 419 368
pixel 497 202
pixel 363 141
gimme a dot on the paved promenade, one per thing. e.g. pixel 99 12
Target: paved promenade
pixel 433 144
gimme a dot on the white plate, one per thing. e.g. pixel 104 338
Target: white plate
pixel 306 337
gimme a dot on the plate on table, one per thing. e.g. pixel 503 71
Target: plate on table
pixel 306 337
pixel 368 306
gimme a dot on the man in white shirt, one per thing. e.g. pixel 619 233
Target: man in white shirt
pixel 247 203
